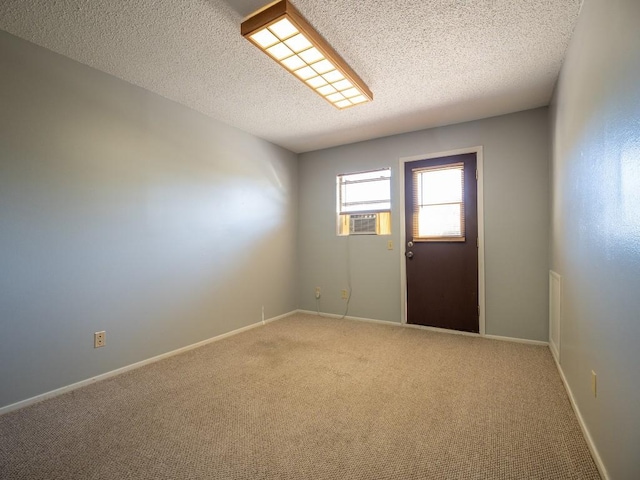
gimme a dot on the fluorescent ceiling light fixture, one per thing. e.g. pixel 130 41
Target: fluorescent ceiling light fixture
pixel 281 32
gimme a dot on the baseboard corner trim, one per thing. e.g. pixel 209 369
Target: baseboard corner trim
pixel 583 426
pixel 280 317
pixel 103 376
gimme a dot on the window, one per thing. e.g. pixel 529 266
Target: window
pixel 438 198
pixel 364 203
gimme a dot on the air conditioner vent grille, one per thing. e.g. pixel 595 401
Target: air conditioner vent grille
pixel 364 224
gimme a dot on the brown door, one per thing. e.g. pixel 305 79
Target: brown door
pixel 442 249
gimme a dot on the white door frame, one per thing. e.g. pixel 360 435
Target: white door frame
pixel 403 236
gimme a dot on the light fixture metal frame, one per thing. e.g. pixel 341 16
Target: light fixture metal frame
pixel 278 10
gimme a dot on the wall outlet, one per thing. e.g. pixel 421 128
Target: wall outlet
pixel 99 339
pixel 345 294
pixel 317 292
pixel 390 245
pixel 594 383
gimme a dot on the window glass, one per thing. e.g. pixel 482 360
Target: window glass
pixel 438 213
pixel 364 203
pixel 365 191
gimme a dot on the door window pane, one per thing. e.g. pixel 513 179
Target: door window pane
pixel 441 186
pixel 439 221
pixel 438 203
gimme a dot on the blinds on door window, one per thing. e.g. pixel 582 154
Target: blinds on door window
pixel 438 203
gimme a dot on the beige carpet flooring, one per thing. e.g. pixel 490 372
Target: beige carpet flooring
pixel 312 398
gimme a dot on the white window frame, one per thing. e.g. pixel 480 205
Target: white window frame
pixel 345 214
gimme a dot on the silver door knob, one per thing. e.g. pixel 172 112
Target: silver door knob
pixel 409 254
pixel 410 244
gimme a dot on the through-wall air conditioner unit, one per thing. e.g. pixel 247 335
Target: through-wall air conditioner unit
pixel 363 224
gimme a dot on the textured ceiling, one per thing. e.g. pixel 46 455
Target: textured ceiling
pixel 428 62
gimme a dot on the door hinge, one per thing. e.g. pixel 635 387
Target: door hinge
pixel 477 242
pixel 476 174
pixel 478 310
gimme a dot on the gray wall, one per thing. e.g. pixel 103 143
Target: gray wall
pixel 125 212
pixel 516 210
pixel 595 241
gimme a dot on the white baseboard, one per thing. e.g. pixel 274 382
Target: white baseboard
pixel 142 363
pixel 585 431
pixel 517 340
pixel 360 319
pixel 433 329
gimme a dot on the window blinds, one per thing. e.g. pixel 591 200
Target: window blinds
pixel 366 192
pixel 438 203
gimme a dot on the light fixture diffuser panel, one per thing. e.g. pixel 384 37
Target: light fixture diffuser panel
pixel 282 32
